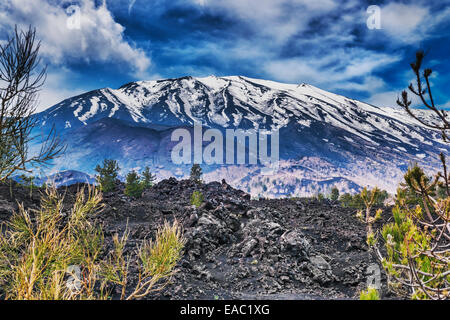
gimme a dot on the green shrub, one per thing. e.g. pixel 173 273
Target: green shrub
pixel 334 196
pixel 369 294
pixel 36 252
pixel 417 241
pixel 107 175
pixel 320 197
pixel 357 202
pixel 345 200
pixel 369 198
pixel 197 198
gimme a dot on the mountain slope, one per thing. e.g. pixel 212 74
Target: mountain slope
pixel 323 136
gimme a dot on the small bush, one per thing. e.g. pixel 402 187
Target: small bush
pixel 369 198
pixel 320 197
pixel 158 259
pixel 417 240
pixel 345 200
pixel 197 198
pixel 369 294
pixel 37 248
pixel 357 202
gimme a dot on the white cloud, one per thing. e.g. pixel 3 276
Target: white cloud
pixel 337 70
pixel 98 39
pixel 404 22
pixel 278 20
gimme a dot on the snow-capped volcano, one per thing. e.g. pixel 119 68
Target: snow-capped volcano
pixel 325 138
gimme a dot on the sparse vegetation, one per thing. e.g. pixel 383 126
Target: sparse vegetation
pixel 334 196
pixel 369 197
pixel 107 175
pixel 20 82
pixel 355 201
pixel 196 198
pixel 157 260
pixel 418 240
pixel 369 294
pixel 36 249
pixel 320 197
pixel 41 251
pixel 29 182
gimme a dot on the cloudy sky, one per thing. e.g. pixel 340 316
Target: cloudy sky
pixel 91 44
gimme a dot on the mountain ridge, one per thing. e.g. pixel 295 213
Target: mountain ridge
pixel 352 140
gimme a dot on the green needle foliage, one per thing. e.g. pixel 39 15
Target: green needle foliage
pixel 417 241
pixel 197 198
pixel 147 178
pixel 39 251
pixel 21 81
pixel 36 248
pixel 158 259
pixel 369 294
pixel 369 199
pixel 334 194
pixel 133 186
pixel 107 175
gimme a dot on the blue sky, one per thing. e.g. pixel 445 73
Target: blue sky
pixel 92 44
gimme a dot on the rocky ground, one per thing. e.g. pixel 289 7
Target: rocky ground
pixel 238 248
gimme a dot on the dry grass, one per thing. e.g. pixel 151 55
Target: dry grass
pixel 39 249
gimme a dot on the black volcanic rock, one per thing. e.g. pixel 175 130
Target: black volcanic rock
pixel 235 247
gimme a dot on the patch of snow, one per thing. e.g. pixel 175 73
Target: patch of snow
pixel 92 111
pixel 421 155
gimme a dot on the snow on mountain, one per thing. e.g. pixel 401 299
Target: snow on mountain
pixel 325 138
pixel 63 178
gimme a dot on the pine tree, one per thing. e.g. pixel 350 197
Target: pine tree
pixel 345 200
pixel 21 81
pixel 196 173
pixel 334 194
pixel 133 187
pixel 417 239
pixel 107 175
pixel 148 178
